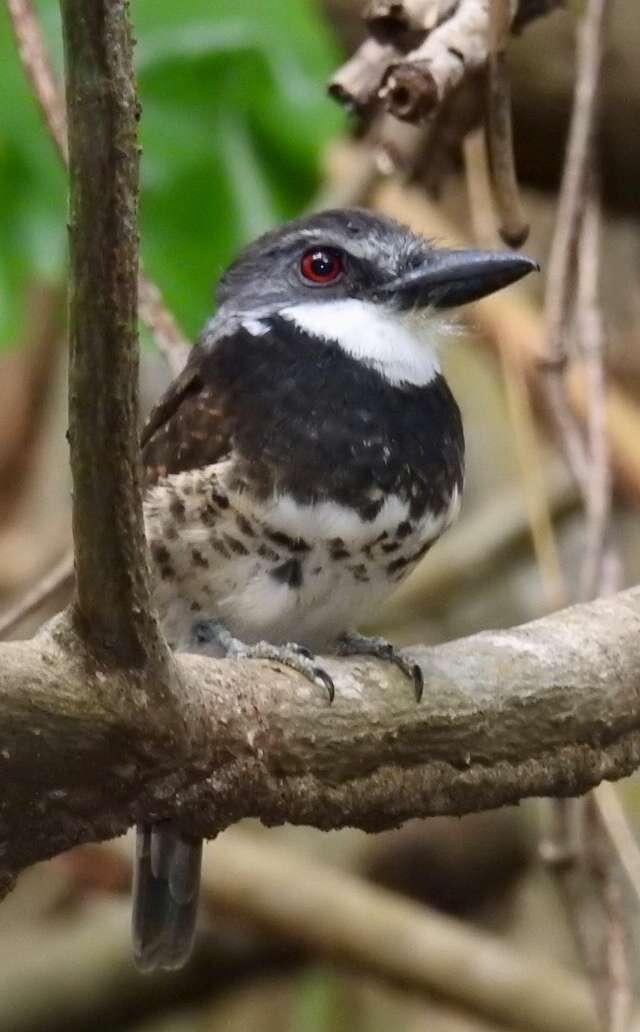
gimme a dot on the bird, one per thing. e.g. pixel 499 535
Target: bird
pixel 299 467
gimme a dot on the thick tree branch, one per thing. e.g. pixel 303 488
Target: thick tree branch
pixel 549 708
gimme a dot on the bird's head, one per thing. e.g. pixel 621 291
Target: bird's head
pixel 356 277
pixel 352 253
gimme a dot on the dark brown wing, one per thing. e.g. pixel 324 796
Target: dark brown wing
pixel 186 429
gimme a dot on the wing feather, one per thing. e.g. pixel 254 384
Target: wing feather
pixel 187 428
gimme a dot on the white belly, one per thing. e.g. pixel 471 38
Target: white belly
pixel 278 571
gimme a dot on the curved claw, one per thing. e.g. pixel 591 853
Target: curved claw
pixel 326 681
pixel 418 681
pixel 359 644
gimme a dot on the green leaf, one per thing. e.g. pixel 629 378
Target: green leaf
pixel 235 117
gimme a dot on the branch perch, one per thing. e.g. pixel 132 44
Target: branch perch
pixel 550 708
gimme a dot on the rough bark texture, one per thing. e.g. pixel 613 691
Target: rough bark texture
pixel 113 598
pixel 549 708
pixel 112 610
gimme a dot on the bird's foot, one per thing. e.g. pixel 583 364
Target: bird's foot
pixel 214 636
pixel 363 645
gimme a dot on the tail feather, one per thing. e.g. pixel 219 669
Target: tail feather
pixel 165 896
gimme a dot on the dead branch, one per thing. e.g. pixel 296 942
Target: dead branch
pixel 587 877
pixel 611 975
pixel 518 396
pixel 38 70
pixel 571 205
pixel 356 83
pixel 514 228
pixel 572 305
pixel 614 821
pixel 419 51
pixel 550 708
pixel 77 971
pixel 169 339
pixel 419 81
pixel 58 577
pixel 393 20
pixel 590 347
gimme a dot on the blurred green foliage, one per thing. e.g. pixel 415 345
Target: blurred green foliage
pixel 235 116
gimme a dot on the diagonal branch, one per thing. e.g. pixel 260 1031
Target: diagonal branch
pixel 336 915
pixel 549 708
pixel 58 577
pixel 154 313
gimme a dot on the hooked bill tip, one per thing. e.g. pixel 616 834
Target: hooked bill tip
pixel 455 277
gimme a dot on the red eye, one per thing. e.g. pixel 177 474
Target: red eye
pixel 321 265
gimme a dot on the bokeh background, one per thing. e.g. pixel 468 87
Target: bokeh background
pixel 237 134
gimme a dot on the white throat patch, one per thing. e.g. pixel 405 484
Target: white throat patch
pixel 402 346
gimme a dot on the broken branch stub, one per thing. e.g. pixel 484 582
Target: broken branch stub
pixel 419 51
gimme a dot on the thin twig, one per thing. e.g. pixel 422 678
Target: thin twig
pixel 534 484
pixel 514 228
pixel 571 204
pixel 578 163
pixel 603 858
pixel 48 586
pixel 611 973
pixel 561 849
pixel 589 332
pixel 37 66
pixel 576 245
pixel 619 831
pixel 478 185
pixel 517 394
pixel 169 338
pixel 153 311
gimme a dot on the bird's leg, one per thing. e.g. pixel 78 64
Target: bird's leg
pixel 212 637
pixel 362 645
